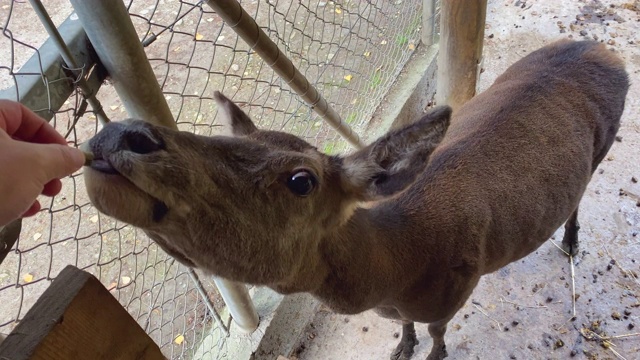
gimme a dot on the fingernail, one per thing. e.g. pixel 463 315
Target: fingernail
pixel 78 156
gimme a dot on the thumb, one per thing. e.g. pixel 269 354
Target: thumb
pixel 57 161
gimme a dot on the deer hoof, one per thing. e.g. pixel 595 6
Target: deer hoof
pixel 438 353
pixel 404 350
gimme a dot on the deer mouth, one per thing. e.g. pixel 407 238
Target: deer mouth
pixel 98 163
pixel 104 166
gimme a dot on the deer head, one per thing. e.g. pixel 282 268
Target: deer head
pixel 251 205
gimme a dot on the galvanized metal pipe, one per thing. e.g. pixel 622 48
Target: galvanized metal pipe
pixel 246 27
pixel 429 22
pixel 110 30
pixel 237 298
pixel 68 58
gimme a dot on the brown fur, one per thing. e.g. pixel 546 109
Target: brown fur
pixel 444 201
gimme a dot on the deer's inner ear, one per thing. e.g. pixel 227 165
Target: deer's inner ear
pixel 235 121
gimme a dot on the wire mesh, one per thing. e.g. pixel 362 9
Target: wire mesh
pixel 352 51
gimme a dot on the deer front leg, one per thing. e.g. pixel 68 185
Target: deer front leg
pixel 404 350
pixel 437 331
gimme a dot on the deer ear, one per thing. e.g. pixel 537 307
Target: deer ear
pixel 236 122
pixel 392 163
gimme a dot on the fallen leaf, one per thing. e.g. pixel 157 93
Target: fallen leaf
pixel 354 101
pixel 199 36
pixel 28 278
pixel 126 280
pixel 94 219
pixel 113 107
pixel 383 42
pixel 179 339
pixel 37 236
pixel 412 47
pixel 348 77
pixel 367 53
pixel 112 286
pixel 338 10
pixel 209 19
pixel 176 49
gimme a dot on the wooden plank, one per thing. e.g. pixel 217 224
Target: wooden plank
pixel 77 318
pixel 460 50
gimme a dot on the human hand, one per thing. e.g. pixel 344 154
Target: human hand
pixel 33 157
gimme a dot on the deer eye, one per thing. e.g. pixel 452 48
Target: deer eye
pixel 302 183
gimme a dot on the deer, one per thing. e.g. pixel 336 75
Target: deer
pixel 405 226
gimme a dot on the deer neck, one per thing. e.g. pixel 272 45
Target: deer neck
pixel 356 262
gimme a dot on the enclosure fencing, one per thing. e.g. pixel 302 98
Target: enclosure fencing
pixel 350 52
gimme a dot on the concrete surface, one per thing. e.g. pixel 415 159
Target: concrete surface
pixel 524 310
pixel 240 345
pixel 409 96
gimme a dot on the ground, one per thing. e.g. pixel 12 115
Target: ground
pixel 524 311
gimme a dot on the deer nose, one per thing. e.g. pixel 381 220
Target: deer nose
pixel 140 140
pixel 132 135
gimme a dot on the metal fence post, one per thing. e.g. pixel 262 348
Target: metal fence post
pixel 460 51
pixel 237 298
pixel 110 30
pixel 115 40
pixel 428 22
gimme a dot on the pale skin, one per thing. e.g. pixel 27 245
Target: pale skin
pixel 33 159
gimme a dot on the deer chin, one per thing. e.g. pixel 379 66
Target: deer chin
pixel 114 195
pixel 165 243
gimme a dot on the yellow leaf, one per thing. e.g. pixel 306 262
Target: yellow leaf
pixel 348 77
pixel 367 53
pixel 126 280
pixel 37 236
pixel 338 10
pixel 412 47
pixel 28 278
pixel 94 219
pixel 113 107
pixel 179 339
pixel 199 36
pixel 383 42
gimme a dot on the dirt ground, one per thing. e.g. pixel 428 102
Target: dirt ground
pixel 524 310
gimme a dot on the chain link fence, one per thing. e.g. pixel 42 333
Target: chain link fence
pixel 351 51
